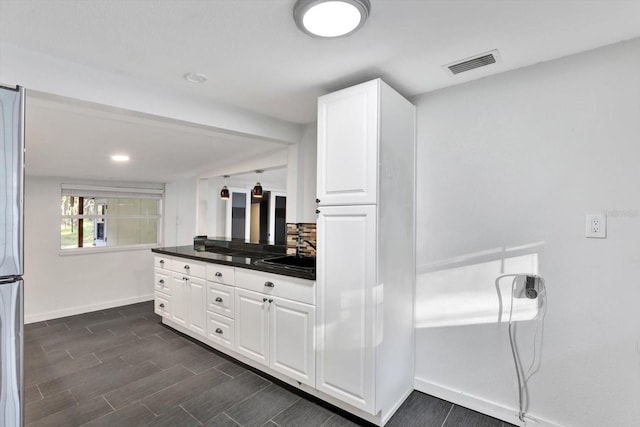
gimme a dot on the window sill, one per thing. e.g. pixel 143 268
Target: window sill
pixel 106 249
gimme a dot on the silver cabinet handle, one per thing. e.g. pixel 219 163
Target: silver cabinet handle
pixel 218 331
pixel 186 267
pixel 161 261
pixel 317 211
pixel 162 305
pixel 317 200
pixel 218 299
pixel 161 281
pixel 270 301
pixel 269 284
pixel 185 278
pixel 264 299
pixel 218 274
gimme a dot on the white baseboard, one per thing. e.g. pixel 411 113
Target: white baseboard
pixel 70 311
pixel 480 404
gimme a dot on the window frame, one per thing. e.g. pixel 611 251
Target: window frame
pixel 105 192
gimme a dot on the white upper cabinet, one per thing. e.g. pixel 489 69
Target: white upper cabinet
pixel 348 145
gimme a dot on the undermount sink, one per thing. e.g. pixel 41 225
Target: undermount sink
pixel 292 261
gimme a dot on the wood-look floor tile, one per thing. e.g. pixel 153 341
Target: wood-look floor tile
pixel 133 415
pixel 460 416
pixel 216 400
pixel 339 421
pixel 221 420
pixel 37 325
pixel 31 394
pixel 73 379
pixel 421 410
pixel 262 406
pixel 34 360
pixel 181 392
pixel 231 369
pixel 174 418
pixel 75 415
pixel 53 370
pixel 98 385
pixel 35 334
pixel 35 410
pixel 147 386
pixel 303 413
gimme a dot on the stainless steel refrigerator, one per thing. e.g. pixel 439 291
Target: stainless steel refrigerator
pixel 11 255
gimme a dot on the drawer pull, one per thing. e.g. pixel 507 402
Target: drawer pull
pixel 218 299
pixel 161 305
pixel 186 267
pixel 269 284
pixel 161 281
pixel 218 274
pixel 218 331
pixel 270 301
pixel 185 278
pixel 264 299
pixel 161 261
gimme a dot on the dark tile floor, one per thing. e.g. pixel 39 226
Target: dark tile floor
pixel 122 367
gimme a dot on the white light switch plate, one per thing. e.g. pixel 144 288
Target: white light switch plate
pixel 596 226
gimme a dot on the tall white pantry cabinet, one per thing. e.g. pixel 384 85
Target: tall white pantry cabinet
pixel 366 249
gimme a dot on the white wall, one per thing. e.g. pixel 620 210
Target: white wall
pixel 56 285
pixel 508 166
pixel 301 179
pixel 180 211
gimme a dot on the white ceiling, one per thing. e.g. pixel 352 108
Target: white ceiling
pixel 72 139
pixel 257 60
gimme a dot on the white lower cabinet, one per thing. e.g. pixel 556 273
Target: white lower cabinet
pixel 188 302
pixel 278 333
pixel 220 330
pixel 252 325
pixel 292 339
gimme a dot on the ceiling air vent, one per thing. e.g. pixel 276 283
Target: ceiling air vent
pixel 477 61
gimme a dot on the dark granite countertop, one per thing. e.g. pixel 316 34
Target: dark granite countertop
pixel 236 259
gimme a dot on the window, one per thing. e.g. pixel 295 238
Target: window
pixel 93 217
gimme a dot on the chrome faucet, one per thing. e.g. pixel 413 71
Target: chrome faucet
pixel 299 244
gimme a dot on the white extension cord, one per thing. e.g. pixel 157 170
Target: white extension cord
pixel 535 363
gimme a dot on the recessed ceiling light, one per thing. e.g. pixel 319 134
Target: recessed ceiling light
pixel 120 158
pixel 331 18
pixel 195 77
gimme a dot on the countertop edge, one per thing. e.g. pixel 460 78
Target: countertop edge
pixel 248 265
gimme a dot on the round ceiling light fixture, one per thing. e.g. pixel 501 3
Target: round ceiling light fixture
pixel 120 158
pixel 331 18
pixel 195 77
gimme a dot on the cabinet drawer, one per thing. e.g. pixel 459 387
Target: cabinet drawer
pixel 220 330
pixel 273 284
pixel 220 299
pixel 162 305
pixel 221 274
pixel 162 262
pixel 162 279
pixel 188 267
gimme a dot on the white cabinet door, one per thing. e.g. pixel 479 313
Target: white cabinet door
pixel 292 339
pixel 346 307
pixel 179 299
pixel 348 145
pixel 252 325
pixel 196 305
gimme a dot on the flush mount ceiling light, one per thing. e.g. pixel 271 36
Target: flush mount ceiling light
pixel 331 18
pixel 120 158
pixel 195 77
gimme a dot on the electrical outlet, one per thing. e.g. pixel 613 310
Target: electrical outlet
pixel 596 226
